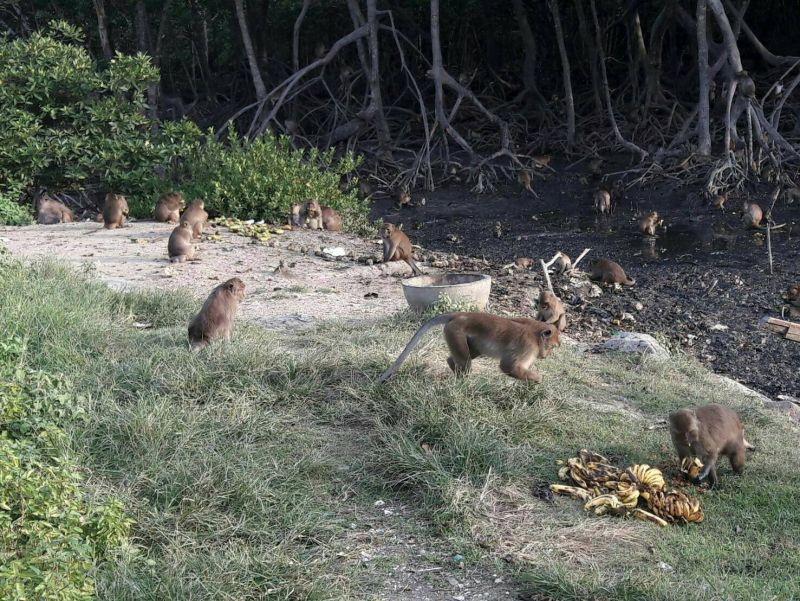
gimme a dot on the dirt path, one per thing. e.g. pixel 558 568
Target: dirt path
pixel 311 288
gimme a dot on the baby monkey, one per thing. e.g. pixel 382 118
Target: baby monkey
pixel 706 433
pixel 649 223
pixel 551 310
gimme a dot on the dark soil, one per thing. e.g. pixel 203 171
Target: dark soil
pixel 703 282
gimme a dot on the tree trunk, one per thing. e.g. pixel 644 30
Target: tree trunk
pixel 102 28
pixel 247 41
pixel 703 110
pixel 565 70
pixel 376 98
pixel 296 35
pixel 358 20
pixel 591 55
pixel 142 35
pixel 200 33
pixel 529 64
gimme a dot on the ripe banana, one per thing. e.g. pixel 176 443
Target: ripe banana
pixel 573 491
pixel 649 517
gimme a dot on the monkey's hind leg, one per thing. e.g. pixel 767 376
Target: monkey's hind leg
pixel 737 459
pixel 460 359
pixel 517 369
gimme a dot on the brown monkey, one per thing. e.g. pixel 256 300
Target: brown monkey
pixel 313 214
pixel 296 215
pixel 180 247
pixel 609 272
pixel 752 214
pixel 562 263
pixel 525 180
pixel 215 319
pixel 516 342
pixel 397 247
pixel 706 433
pixel 169 207
pixel 719 201
pixel 551 310
pixel 331 220
pixel 540 161
pixel 196 215
pixel 403 198
pixel 50 211
pixel 115 210
pixel 602 202
pixel 523 262
pixel 792 295
pixel 649 222
pixel 364 189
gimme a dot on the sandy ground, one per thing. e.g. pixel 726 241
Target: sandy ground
pixel 310 288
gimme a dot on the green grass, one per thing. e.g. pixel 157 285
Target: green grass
pixel 244 465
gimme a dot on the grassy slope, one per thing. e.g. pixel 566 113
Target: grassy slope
pixel 235 462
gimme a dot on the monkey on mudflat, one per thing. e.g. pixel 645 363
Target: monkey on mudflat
pixel 752 214
pixel 403 198
pixel 649 222
pixel 169 207
pixel 551 310
pixel 50 211
pixel 115 210
pixel 609 272
pixel 397 247
pixel 602 202
pixel 296 215
pixel 322 217
pixel 197 217
pixel 516 342
pixel 719 201
pixel 364 189
pixel 525 180
pixel 215 319
pixel 562 263
pixel 179 246
pixel 706 433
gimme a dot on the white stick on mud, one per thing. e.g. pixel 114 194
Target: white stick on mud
pixel 580 256
pixel 546 275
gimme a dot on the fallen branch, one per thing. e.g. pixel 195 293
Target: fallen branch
pixel 553 260
pixel 546 275
pixel 580 256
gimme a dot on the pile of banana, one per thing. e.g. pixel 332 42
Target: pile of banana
pixel 257 230
pixel 605 488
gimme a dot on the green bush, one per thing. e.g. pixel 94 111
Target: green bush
pixel 262 178
pixel 67 123
pixel 51 535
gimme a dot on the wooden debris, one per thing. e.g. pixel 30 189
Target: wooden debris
pixel 788 329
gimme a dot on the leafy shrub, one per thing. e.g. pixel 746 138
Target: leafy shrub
pixel 262 178
pixel 66 123
pixel 51 536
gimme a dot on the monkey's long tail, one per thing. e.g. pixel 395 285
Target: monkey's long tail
pixel 629 281
pixel 438 320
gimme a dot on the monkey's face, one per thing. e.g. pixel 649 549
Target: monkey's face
pixel 792 295
pixel 387 230
pixel 548 339
pixel 235 287
pixel 312 209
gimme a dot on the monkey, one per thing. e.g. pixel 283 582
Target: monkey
pixel 747 86
pixel 296 215
pixel 215 319
pixel 649 222
pixel 596 166
pixel 397 247
pixel 719 201
pixel 331 220
pixel 551 310
pixel 523 262
pixel 524 179
pixel 602 202
pixel 115 210
pixel 516 342
pixel 403 198
pixel 609 272
pixel 752 214
pixel 706 433
pixel 196 215
pixel 541 161
pixel 50 211
pixel 174 108
pixel 313 214
pixel 169 207
pixel 180 247
pixel 364 189
pixel 562 263
pixel 792 295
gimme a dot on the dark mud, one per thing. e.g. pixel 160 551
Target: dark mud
pixel 703 283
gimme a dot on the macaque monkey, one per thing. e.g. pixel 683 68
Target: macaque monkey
pixel 180 247
pixel 364 189
pixel 649 223
pixel 215 319
pixel 551 310
pixel 331 220
pixel 602 202
pixel 397 247
pixel 719 201
pixel 115 210
pixel 523 262
pixel 516 342
pixel 541 161
pixel 562 263
pixel 609 272
pixel 169 207
pixel 525 180
pixel 196 215
pixel 403 198
pixel 706 433
pixel 596 166
pixel 50 211
pixel 792 296
pixel 752 214
pixel 322 217
pixel 296 215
